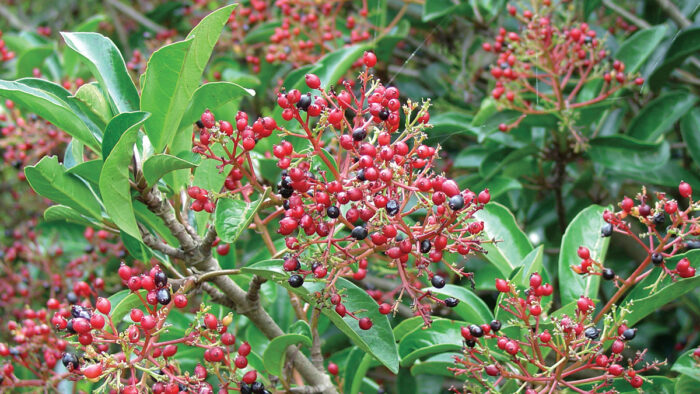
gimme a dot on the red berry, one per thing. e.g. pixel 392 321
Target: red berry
pixel 180 301
pixel 583 252
pixel 535 280
pixel 136 315
pixel 241 362
pixel 210 321
pixel 97 321
pixel 92 371
pixel 365 323
pixel 208 119
pixel 384 308
pixel 369 59
pixel 148 322
pixel 484 196
pixel 615 370
pixel 124 272
pixel 502 286
pixel 250 377
pixel 685 190
pixel 312 81
pixel 333 369
pixel 244 349
pixel 492 370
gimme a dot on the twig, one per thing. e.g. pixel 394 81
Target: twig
pixel 674 13
pixel 316 356
pixel 12 19
pixel 135 15
pixel 627 15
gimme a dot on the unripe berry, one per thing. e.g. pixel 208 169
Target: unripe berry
pixel 685 190
pixel 369 59
pixel 312 81
pixel 365 323
pixel 502 286
pixel 583 253
pixel 333 369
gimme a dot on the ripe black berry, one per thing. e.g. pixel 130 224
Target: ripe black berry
pixel 245 388
pixel 659 219
pixel 71 298
pixel 392 207
pixel 163 296
pixel 70 361
pixel 199 124
pixel 333 212
pixel 285 192
pixel 471 343
pixel 495 325
pixel 591 333
pixel 629 334
pixel 692 244
pixel 361 175
pixel 657 258
pixel 304 102
pixel 384 114
pixel 359 233
pixel 451 302
pixel 359 134
pixel 425 246
pixel 606 230
pixel 438 281
pixel 456 202
pixel 608 274
pixel 476 331
pixel 296 280
pixel 257 387
pixel 160 279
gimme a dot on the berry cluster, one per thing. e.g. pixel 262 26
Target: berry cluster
pixel 560 59
pixel 554 351
pixel 5 54
pixel 137 354
pixel 307 30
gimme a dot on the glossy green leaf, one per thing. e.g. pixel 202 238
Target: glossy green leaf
pixel 49 179
pixel 646 298
pixel 622 153
pixel 106 64
pixel 70 58
pixel 471 308
pixel 636 49
pixel 318 163
pixel 358 364
pixel 686 365
pixel 433 9
pixel 117 127
pixel 122 303
pixel 492 164
pixel 32 58
pixel 261 32
pixel 511 246
pixel 212 95
pixel 532 263
pixel 378 341
pixel 91 95
pixel 436 365
pixel 51 108
pixel 443 336
pixel 584 230
pixel 684 44
pixel 690 130
pixel 65 213
pixel 274 355
pixel 407 326
pixel 137 249
pixel 660 115
pixel 160 164
pixel 173 74
pixel 233 216
pixel 114 179
pixel 210 178
pixel 74 154
pixel 335 64
pixel 89 170
pixel 300 327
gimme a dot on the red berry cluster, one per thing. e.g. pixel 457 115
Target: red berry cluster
pixel 667 237
pixel 5 54
pixel 580 356
pixel 107 349
pixel 307 30
pixel 557 55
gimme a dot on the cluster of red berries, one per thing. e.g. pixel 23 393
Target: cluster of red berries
pixel 106 348
pixel 666 237
pixel 307 30
pixel 562 59
pixel 25 140
pixel 5 53
pixel 577 346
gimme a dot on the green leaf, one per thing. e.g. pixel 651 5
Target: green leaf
pixel 212 95
pixel 622 153
pixel 471 308
pixel 684 44
pixel 358 364
pixel 137 249
pixel 233 216
pixel 584 230
pixel 690 127
pixel 32 58
pixel 51 108
pixel 106 64
pixel 433 9
pixel 261 32
pixel 117 127
pixel 74 154
pixel 122 303
pixel 660 115
pixel 62 212
pixel 512 244
pixel 89 171
pixel 49 179
pixel 300 327
pixel 114 179
pixel 70 58
pixel 378 341
pixel 532 263
pixel 210 178
pixel 273 357
pixel 637 48
pixel 443 336
pixel 687 365
pixel 173 74
pixel 649 296
pixel 335 64
pixel 160 164
pixel 436 365
pixel 494 162
pixel 91 95
pixel 317 162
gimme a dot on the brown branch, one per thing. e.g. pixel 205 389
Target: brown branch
pixel 674 13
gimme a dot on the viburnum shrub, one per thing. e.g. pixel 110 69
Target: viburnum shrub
pixel 334 233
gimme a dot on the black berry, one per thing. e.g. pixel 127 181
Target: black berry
pixel 629 334
pixel 476 331
pixel 70 361
pixel 359 233
pixel 438 281
pixel 392 207
pixel 257 387
pixel 608 274
pixel 451 302
pixel 425 246
pixel 456 202
pixel 295 280
pixel 163 296
pixel 606 230
pixel 495 325
pixel 359 134
pixel 657 258
pixel 471 343
pixel 304 102
pixel 591 333
pixel 160 279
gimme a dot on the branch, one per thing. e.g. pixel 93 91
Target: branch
pixel 154 243
pixel 627 15
pixel 674 13
pixel 12 19
pixel 135 15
